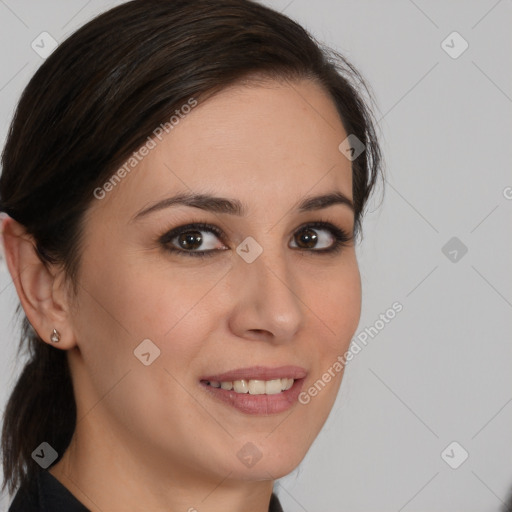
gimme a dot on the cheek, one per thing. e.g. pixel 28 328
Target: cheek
pixel 121 305
pixel 144 297
pixel 337 310
pixel 335 299
pixel 174 308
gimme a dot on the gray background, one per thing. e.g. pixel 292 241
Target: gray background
pixel 440 371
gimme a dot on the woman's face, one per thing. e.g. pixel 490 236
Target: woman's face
pixel 267 294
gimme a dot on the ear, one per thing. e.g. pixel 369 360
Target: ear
pixel 41 288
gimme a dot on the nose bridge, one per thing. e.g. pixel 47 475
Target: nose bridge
pixel 267 292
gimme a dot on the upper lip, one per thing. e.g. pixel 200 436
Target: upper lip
pixel 259 373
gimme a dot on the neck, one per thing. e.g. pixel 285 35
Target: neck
pixel 105 472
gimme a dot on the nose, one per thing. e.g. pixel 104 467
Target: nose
pixel 267 303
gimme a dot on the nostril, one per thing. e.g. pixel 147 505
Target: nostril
pixel 259 331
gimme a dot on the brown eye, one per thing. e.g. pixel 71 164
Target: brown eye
pixel 307 238
pixel 190 240
pixel 197 239
pixel 318 237
pixel 201 239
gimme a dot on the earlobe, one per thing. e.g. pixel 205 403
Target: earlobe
pixel 38 288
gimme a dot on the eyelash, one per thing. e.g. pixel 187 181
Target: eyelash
pixel 341 238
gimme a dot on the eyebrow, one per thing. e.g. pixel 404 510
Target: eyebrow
pixel 235 207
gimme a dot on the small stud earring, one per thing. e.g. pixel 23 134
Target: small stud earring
pixel 55 337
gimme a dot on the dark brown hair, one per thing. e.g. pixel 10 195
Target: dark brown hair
pixel 91 104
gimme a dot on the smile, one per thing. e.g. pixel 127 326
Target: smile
pixel 256 390
pixel 254 387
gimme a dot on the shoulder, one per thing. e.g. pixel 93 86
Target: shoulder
pixel 45 493
pixel 275 505
pixel 26 498
pixel 507 507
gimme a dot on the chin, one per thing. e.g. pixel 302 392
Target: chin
pixel 265 471
pixel 268 462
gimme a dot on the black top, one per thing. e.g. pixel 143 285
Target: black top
pixel 47 494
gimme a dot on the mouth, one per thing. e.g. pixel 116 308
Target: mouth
pixel 253 386
pixel 257 390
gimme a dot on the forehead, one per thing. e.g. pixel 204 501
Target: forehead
pixel 253 142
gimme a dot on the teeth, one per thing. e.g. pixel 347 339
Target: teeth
pixel 288 384
pixel 271 387
pixel 255 387
pixel 241 386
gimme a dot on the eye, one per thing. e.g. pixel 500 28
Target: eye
pixel 197 239
pixel 320 237
pixel 201 239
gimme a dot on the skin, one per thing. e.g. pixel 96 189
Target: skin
pixel 149 437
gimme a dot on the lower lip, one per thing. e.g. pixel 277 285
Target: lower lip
pixel 257 404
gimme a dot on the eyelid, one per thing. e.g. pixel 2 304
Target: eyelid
pixel 197 226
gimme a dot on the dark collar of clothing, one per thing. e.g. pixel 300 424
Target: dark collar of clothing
pixel 46 494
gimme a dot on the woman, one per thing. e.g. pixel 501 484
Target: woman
pixel 184 184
